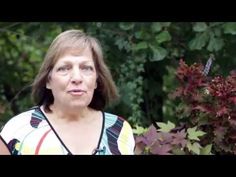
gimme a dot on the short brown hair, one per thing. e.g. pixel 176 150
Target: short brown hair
pixel 74 42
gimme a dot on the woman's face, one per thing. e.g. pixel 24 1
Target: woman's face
pixel 73 80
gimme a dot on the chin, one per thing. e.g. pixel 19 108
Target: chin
pixel 78 105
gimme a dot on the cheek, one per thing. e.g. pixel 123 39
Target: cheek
pixel 92 84
pixel 56 83
pixel 95 84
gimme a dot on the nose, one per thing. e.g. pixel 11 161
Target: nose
pixel 76 76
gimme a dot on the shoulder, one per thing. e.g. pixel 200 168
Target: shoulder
pixel 17 122
pixel 20 117
pixel 116 122
pixel 112 119
pixel 120 128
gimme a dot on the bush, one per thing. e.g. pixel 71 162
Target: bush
pixel 205 105
pixel 170 140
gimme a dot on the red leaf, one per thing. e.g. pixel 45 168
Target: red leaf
pixel 233 99
pixel 177 93
pixel 219 133
pixel 150 136
pixel 222 111
pixel 140 139
pixel 161 149
pixel 203 108
pixel 164 137
pixel 179 138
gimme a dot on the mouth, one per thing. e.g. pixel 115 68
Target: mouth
pixel 76 92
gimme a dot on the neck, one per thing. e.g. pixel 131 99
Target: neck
pixel 71 114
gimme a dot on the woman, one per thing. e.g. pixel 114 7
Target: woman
pixel 72 88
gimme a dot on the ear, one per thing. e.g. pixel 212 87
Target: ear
pixel 48 86
pixel 96 85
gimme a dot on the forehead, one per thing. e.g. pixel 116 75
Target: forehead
pixel 77 52
pixel 72 59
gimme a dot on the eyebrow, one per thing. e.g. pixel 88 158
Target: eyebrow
pixel 82 62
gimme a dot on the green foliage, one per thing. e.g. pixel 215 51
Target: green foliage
pixel 194 147
pixel 163 37
pixel 200 27
pixel 139 130
pixel 206 150
pixel 127 26
pixel 215 44
pixel 165 127
pixel 199 41
pixel 230 28
pixel 193 134
pixel 159 53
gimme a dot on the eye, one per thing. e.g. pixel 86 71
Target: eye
pixel 87 68
pixel 63 69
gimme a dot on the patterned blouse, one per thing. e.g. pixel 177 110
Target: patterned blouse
pixel 31 133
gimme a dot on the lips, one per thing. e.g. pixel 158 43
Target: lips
pixel 76 92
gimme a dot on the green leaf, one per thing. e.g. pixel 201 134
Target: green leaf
pixel 159 53
pixel 156 27
pixel 213 24
pixel 178 151
pixel 193 134
pixel 200 27
pixel 139 130
pixel 206 150
pixel 230 28
pixel 141 34
pixel 183 110
pixel 126 26
pixel 165 127
pixel 217 32
pixel 163 36
pixel 195 147
pixel 139 46
pixel 2 42
pixel 165 24
pixel 199 41
pixel 215 44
